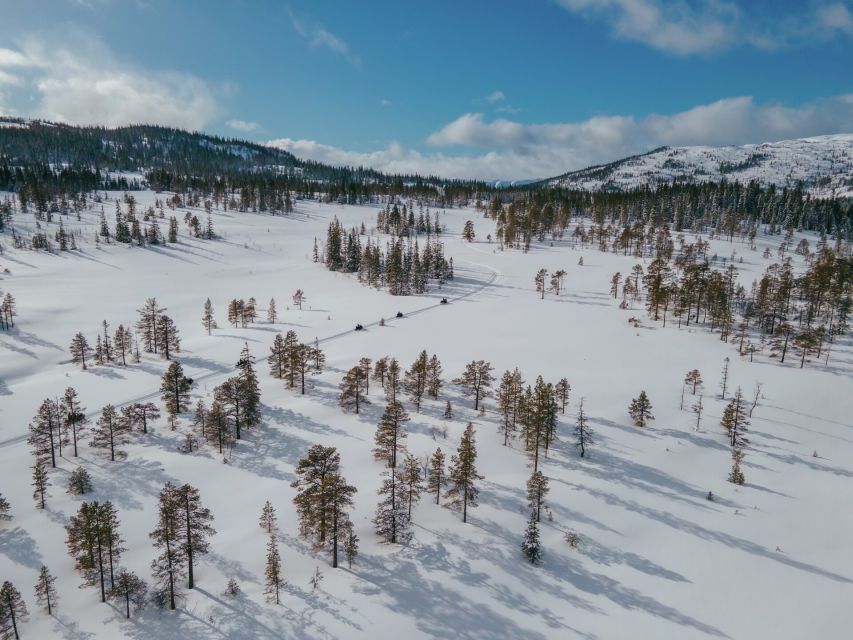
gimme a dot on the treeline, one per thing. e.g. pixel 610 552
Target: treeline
pixel 725 208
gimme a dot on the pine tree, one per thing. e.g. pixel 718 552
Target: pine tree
pixel 193 526
pixel 693 379
pixel 735 420
pixel 272 314
pixel 45 433
pixel 463 474
pixel 140 414
pixel 175 389
pixel 299 299
pixel 111 432
pixel 79 350
pixel 46 590
pixel 148 324
pixel 530 545
pixel 207 319
pixel 13 610
pixel 380 367
pixel 268 517
pixel 468 231
pixel 249 388
pixel 562 390
pixel 167 336
pixel 79 482
pixel 448 411
pixel 130 589
pixel 338 496
pixel 415 379
pixel 273 579
pixel 640 410
pixel 410 475
pixel 311 499
pixel 436 478
pixel 94 542
pixel 433 381
pixel 697 408
pixel 476 381
pixel 171 561
pixel 40 483
pixel 219 431
pixel 583 433
pixel 724 381
pixel 537 489
pixel 123 344
pixel 539 281
pixel 5 507
pixel 352 389
pixel 392 380
pixel 390 434
pixel 351 547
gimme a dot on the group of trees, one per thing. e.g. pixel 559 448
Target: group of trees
pixel 402 267
pixel 781 310
pixel 293 361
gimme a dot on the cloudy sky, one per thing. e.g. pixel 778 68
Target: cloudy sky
pixel 472 88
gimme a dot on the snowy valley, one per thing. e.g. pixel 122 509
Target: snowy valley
pixel 643 533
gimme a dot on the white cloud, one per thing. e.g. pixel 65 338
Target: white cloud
pixel 513 150
pixel 83 84
pixel 318 36
pixel 244 126
pixel 495 96
pixel 685 27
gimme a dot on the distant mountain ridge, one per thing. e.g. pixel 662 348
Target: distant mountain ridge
pixel 823 165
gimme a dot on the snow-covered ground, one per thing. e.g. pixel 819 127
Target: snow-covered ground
pixel 656 559
pixel 823 164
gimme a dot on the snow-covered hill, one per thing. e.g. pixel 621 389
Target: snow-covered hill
pixel 823 164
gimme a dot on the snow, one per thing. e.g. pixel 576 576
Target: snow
pixel 824 164
pixel 766 560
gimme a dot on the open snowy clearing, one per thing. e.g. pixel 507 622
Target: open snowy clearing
pixel 656 559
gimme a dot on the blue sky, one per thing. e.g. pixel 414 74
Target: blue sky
pixel 469 88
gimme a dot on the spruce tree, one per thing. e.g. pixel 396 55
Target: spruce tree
pixel 249 388
pixel 311 499
pixel 46 590
pixel 562 390
pixel 351 546
pixel 415 379
pixel 463 474
pixel 79 482
pixel 278 358
pixel 530 545
pixel 434 381
pixel 735 420
pixel 168 338
pixel 272 314
pixel 736 475
pixel 219 431
pixel 392 520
